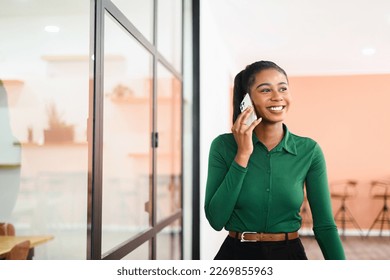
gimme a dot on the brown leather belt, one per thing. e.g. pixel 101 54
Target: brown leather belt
pixel 248 236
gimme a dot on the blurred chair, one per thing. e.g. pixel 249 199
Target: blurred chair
pixel 7 229
pixel 380 190
pixel 344 190
pixel 19 252
pixel 3 229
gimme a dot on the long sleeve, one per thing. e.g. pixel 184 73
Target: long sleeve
pixel 224 182
pixel 318 195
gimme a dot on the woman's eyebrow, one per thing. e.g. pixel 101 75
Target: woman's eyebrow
pixel 269 84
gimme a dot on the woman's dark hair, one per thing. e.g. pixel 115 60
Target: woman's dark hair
pixel 245 79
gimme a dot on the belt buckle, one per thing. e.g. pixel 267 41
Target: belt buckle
pixel 243 234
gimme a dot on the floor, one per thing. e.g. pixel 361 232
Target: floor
pixel 355 247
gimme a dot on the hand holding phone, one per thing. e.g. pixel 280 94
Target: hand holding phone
pixel 245 103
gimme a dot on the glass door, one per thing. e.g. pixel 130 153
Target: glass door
pixel 135 209
pixel 127 126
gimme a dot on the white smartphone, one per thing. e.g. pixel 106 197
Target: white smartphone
pixel 245 103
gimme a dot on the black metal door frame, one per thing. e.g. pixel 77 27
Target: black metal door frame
pixel 95 136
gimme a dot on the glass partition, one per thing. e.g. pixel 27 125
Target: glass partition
pixel 50 180
pixel 169 31
pixel 169 243
pixel 140 13
pixel 140 253
pixel 168 182
pixel 126 136
pixel 44 73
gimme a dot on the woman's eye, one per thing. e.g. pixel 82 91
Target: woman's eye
pixel 265 90
pixel 283 89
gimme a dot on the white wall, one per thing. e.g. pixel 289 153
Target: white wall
pixel 215 85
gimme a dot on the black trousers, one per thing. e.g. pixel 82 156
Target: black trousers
pixel 234 249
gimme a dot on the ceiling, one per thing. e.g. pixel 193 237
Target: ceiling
pixel 23 8
pixel 307 37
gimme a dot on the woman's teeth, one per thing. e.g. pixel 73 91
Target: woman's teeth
pixel 276 108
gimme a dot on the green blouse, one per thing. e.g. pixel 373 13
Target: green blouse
pixel 267 195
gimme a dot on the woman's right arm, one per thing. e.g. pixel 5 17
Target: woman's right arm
pixel 224 182
pixel 225 175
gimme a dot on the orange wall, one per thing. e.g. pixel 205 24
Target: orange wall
pixel 349 117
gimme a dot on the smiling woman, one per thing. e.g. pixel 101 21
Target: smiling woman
pixel 257 175
pixel 338 77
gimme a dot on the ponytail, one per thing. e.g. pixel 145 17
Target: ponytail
pixel 238 94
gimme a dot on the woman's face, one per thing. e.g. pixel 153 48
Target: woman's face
pixel 270 95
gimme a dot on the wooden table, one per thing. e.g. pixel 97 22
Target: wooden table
pixel 7 242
